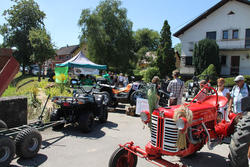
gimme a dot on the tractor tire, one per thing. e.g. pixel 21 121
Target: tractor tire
pixel 240 142
pixel 135 95
pixel 103 117
pixel 3 125
pixel 28 143
pixel 55 116
pixel 107 98
pixel 7 150
pixel 120 158
pixel 86 122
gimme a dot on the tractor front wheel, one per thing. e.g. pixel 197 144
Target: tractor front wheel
pixel 240 144
pixel 122 158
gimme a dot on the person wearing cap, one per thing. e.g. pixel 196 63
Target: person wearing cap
pixel 175 88
pixel 239 91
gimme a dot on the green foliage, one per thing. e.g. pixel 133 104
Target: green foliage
pixel 210 71
pixel 206 52
pixel 152 101
pixel 146 38
pixel 108 34
pixel 42 47
pixel 21 18
pixel 149 73
pixel 165 54
pixel 177 48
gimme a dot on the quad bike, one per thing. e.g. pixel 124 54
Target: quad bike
pixel 82 109
pixel 122 95
pixel 196 124
pixel 142 93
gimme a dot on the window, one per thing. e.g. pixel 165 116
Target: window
pixel 225 34
pixel 223 60
pixel 247 41
pixel 189 61
pixel 211 35
pixel 235 34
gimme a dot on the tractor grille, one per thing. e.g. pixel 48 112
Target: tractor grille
pixel 168 129
pixel 170 135
pixel 154 130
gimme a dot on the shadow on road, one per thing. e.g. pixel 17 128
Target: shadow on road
pixel 71 130
pixel 38 160
pixel 205 159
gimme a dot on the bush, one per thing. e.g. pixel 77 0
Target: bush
pixel 211 73
pixel 149 73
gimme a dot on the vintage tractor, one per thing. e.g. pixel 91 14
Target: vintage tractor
pixel 182 130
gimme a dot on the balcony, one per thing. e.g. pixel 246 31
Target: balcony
pixel 230 44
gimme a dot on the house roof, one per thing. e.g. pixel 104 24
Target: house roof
pixel 67 50
pixel 205 14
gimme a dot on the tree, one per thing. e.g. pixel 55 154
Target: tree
pixel 108 34
pixel 42 47
pixel 146 38
pixel 165 60
pixel 206 52
pixel 177 48
pixel 21 18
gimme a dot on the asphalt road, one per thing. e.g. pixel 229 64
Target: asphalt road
pixel 71 148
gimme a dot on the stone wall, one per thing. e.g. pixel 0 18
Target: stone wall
pixel 13 110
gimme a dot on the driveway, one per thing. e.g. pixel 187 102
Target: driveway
pixel 72 148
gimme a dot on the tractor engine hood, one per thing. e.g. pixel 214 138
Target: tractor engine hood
pixel 165 112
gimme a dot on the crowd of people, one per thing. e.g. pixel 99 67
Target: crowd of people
pixel 175 88
pixel 120 80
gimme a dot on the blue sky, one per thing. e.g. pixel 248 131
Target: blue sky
pixel 62 15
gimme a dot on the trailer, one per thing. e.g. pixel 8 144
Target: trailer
pixel 23 141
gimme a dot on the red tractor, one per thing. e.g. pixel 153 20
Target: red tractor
pixel 182 130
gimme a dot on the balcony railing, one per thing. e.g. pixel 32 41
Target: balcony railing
pixel 227 44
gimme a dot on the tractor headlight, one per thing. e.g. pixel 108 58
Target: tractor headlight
pixel 145 116
pixel 181 123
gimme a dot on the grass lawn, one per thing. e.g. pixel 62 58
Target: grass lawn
pixel 36 92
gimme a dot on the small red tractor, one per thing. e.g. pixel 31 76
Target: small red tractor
pixel 176 132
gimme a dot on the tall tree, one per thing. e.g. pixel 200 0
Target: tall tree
pixel 146 38
pixel 42 47
pixel 206 52
pixel 108 34
pixel 21 18
pixel 165 60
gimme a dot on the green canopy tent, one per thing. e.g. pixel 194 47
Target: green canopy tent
pixel 78 61
pixel 81 61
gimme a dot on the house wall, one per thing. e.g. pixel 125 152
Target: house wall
pixel 244 62
pixel 218 21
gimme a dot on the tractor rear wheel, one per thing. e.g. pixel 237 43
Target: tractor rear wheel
pixel 7 150
pixel 28 143
pixel 3 125
pixel 122 158
pixel 240 144
pixel 86 121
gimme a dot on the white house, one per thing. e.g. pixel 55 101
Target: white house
pixel 227 22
